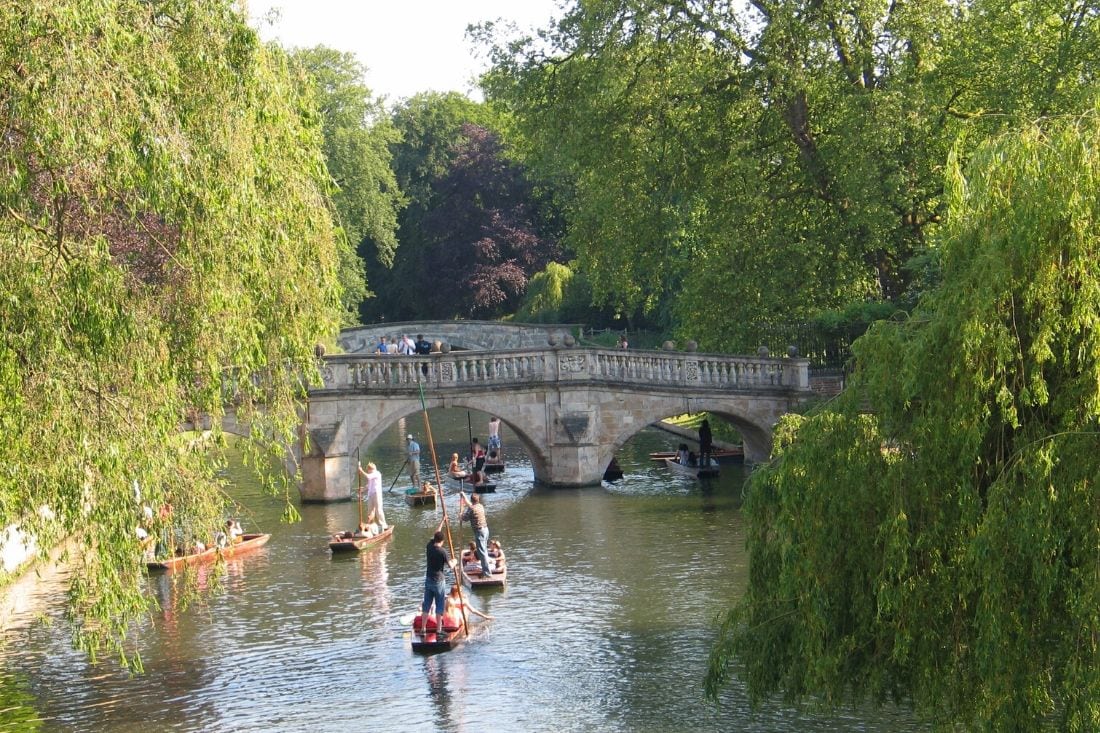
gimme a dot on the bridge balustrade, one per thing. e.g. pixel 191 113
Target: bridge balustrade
pixel 471 369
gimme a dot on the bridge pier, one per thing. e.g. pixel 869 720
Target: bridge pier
pixel 326 463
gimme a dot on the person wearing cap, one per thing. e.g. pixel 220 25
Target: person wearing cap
pixel 412 450
pixel 374 494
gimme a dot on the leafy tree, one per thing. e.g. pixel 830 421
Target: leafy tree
pixel 786 154
pixel 357 139
pixel 943 547
pixel 166 249
pixel 475 229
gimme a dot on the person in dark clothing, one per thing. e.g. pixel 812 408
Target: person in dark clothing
pixel 705 442
pixel 435 582
pixel 422 346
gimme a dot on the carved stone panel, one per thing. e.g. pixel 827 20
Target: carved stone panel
pixel 572 363
pixel 573 427
pixel 691 371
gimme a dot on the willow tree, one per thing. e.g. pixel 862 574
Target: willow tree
pixel 934 536
pixel 166 250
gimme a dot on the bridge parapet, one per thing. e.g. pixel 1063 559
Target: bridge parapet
pixel 466 370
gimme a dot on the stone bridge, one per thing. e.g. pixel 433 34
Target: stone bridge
pixel 571 408
pixel 480 335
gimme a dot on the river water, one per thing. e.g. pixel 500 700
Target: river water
pixel 605 625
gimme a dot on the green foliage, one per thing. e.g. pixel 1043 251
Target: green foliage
pixel 357 154
pixel 776 158
pixel 943 548
pixel 166 250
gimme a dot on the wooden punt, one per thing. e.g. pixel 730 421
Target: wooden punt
pixel 493 466
pixel 432 642
pixel 473 577
pixel 466 485
pixel 693 471
pixel 348 542
pixel 419 498
pixel 722 455
pixel 248 543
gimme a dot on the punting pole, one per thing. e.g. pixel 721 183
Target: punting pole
pixel 359 488
pixel 442 503
pixel 397 476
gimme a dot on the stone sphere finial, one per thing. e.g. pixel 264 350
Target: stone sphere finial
pixel 792 351
pixel 691 345
pixel 568 340
pixel 669 345
pixel 552 339
pixel 445 348
pixel 763 352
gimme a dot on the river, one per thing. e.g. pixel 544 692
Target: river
pixel 605 625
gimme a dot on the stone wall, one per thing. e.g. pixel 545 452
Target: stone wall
pixel 480 335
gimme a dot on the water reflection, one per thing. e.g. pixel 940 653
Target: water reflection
pixel 605 624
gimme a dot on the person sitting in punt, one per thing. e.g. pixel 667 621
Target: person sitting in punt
pixel 682 454
pixel 452 609
pixel 496 556
pixel 692 459
pixel 234 530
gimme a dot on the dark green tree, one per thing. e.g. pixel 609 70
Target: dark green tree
pixel 786 155
pixel 358 135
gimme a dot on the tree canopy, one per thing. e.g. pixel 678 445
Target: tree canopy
pixel 785 155
pixel 476 227
pixel 932 536
pixel 358 135
pixel 166 250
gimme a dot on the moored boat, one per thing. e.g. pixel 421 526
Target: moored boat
pixel 468 485
pixel 248 543
pixel 693 471
pixel 721 455
pixel 353 542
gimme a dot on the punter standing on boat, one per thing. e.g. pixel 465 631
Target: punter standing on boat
pixel 475 515
pixel 435 582
pixel 705 442
pixel 374 494
pixel 412 450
